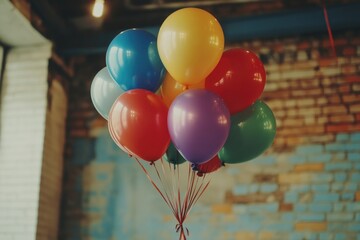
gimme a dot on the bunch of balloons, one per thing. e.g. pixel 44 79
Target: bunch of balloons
pixel 182 96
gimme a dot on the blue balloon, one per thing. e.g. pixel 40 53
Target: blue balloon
pixel 133 60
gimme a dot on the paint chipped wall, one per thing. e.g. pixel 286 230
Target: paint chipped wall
pixel 305 187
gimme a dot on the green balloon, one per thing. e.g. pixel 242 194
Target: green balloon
pixel 252 131
pixel 173 156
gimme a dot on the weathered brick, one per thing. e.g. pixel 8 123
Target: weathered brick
pixel 311 217
pixel 329 91
pixel 310 149
pixel 343 127
pixel 348 196
pixel 267 188
pixel 348 69
pixel 246 199
pixel 352 78
pixel 265 178
pixel 293 122
pixel 290 178
pixel 222 208
pixel 325 157
pixel 298 158
pixel 298 74
pixel 310 120
pixel 338 166
pixel 334 99
pixel 356 86
pixel 355 137
pixel 340 177
pixel 286 207
pixel 263 207
pixel 309 111
pixel 355 108
pixel 321 101
pixel 357 196
pixel 349 51
pixel 245 235
pixel 311 226
pixel 305 102
pixel 352 207
pixel 334 109
pixel 241 189
pixel 330 71
pixel 326 62
pixel 344 88
pixel 300 187
pixel 326 197
pixel 308 92
pixel 309 167
pixel 320 207
pixel 354 157
pixel 275 104
pixel 314 129
pixel 341 137
pixel 320 187
pixel 291 197
pixel 294 141
pixel 340 216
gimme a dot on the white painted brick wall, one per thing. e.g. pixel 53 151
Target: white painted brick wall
pixel 22 129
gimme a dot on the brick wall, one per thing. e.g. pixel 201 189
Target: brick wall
pixel 22 126
pixel 52 162
pixel 305 187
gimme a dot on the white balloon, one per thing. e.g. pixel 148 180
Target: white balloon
pixel 104 91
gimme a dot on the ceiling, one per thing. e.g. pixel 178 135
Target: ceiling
pixel 70 23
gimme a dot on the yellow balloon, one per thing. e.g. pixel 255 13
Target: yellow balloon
pixel 190 43
pixel 170 89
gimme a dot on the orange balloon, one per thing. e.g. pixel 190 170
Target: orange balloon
pixel 170 88
pixel 190 43
pixel 138 124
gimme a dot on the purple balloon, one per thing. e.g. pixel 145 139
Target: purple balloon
pixel 199 124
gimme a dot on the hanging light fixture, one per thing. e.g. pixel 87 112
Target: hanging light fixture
pixel 98 9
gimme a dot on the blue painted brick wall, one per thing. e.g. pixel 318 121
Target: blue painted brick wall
pixel 119 202
pixel 306 186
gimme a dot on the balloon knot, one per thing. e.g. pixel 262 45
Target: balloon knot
pixel 222 163
pixel 152 163
pixel 194 167
pixel 200 174
pixel 181 228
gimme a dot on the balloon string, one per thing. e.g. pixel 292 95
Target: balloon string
pixel 189 191
pixel 166 192
pixel 200 194
pixel 193 192
pixel 182 229
pixel 153 183
pixel 168 180
pixel 171 191
pixel 331 38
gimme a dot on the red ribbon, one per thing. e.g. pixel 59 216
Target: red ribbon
pixel 331 38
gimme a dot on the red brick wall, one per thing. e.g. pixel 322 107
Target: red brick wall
pixel 313 161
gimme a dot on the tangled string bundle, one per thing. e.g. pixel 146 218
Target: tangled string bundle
pixel 166 179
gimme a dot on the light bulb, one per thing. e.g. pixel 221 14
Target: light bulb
pixel 98 8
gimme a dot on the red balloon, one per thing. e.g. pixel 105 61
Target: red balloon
pixel 138 124
pixel 239 78
pixel 209 166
